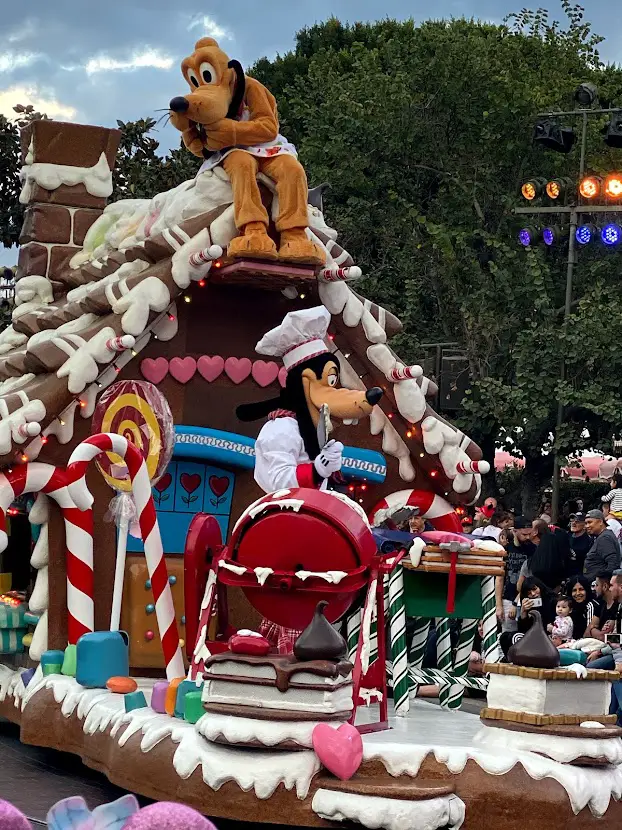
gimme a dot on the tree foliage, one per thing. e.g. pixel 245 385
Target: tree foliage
pixel 425 135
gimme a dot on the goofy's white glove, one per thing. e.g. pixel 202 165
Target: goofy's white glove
pixel 329 460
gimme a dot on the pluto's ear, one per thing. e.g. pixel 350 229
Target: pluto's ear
pixel 239 90
pixel 205 41
pixel 255 411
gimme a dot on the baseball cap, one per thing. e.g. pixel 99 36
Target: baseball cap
pixel 521 522
pixel 595 514
pixel 578 517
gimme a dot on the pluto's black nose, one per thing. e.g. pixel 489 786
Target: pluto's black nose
pixel 373 395
pixel 179 104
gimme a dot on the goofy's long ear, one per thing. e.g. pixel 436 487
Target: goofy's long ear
pixel 240 89
pixel 255 411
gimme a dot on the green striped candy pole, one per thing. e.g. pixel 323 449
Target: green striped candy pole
pixel 443 657
pixel 353 629
pixel 417 650
pixel 399 648
pixel 490 639
pixel 461 663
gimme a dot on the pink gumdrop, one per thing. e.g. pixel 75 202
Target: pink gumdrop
pixel 149 635
pixel 168 816
pixel 12 819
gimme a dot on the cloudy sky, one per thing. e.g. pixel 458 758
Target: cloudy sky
pixel 94 62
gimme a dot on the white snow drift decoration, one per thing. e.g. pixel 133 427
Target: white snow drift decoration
pixel 21 424
pixel 81 367
pixel 389 813
pixel 135 306
pixel 32 288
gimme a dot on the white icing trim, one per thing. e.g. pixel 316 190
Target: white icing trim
pixel 97 179
pixel 389 813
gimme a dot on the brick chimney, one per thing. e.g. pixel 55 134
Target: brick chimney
pixel 67 170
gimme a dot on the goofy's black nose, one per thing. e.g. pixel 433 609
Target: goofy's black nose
pixel 373 395
pixel 179 104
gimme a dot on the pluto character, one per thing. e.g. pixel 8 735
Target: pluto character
pixel 230 119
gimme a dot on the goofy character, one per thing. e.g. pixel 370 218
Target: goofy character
pixel 287 450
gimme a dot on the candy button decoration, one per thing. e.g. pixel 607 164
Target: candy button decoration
pixel 121 685
pixel 149 609
pixel 147 585
pixel 172 580
pixel 149 635
pixel 158 697
pixel 183 620
pixel 193 706
pixel 140 412
pixel 52 662
pixel 135 700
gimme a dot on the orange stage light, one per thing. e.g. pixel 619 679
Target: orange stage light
pixel 613 186
pixel 590 187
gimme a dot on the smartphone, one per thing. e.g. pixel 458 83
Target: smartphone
pixel 612 639
pixel 537 602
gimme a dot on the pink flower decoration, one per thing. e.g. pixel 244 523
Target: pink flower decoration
pixel 168 816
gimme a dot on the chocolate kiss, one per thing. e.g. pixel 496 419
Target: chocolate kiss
pixel 535 649
pixel 319 640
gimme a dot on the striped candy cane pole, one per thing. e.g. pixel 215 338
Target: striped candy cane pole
pixel 436 509
pixel 201 651
pixel 44 478
pixel 490 639
pixel 353 629
pixel 399 649
pixel 418 647
pixel 405 373
pixel 461 663
pixel 443 657
pixel 154 552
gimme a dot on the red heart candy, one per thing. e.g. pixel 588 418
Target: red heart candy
pixel 248 644
pixel 339 750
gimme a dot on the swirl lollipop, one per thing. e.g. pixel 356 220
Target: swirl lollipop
pixel 140 412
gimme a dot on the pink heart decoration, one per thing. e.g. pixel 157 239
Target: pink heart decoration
pixel 183 368
pixel 339 750
pixel 237 369
pixel 210 368
pixel 264 372
pixel 154 370
pixel 283 377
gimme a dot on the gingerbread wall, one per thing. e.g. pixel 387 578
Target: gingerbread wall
pixel 56 221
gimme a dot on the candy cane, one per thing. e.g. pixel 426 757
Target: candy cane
pixel 44 478
pixel 405 373
pixel 440 513
pixel 473 467
pixel 205 256
pixel 154 552
pixel 341 274
pixel 120 344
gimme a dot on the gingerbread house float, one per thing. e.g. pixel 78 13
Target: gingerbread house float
pixel 138 290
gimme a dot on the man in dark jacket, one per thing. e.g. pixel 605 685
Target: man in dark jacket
pixel 604 555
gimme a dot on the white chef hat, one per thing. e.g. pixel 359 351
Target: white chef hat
pixel 300 336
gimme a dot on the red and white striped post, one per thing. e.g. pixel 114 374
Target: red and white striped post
pixel 36 477
pixel 465 467
pixel 405 373
pixel 335 274
pixel 80 458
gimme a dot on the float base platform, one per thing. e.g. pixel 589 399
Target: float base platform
pixel 433 768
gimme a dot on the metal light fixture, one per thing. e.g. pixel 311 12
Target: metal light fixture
pixel 613 130
pixel 557 189
pixel 590 187
pixel 533 189
pixel 586 234
pixel 586 95
pixel 613 186
pixel 527 236
pixel 611 234
pixel 550 134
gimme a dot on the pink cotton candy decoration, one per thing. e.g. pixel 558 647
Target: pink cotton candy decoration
pixel 11 818
pixel 167 816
